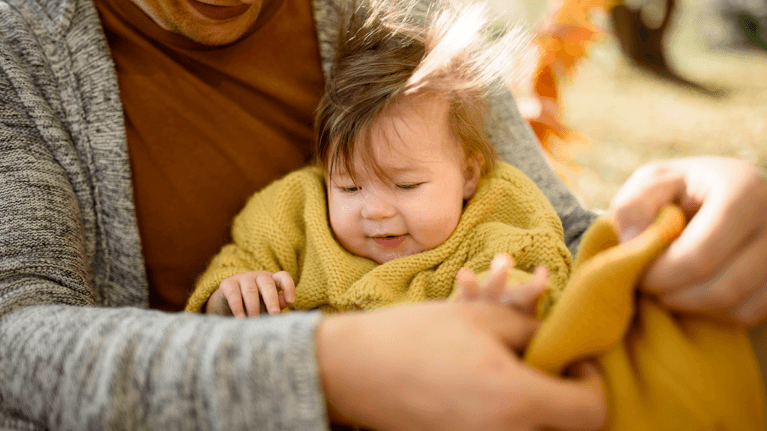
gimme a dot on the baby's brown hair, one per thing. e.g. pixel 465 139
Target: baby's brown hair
pixel 388 49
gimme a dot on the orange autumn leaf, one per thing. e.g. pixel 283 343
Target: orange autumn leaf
pixel 565 38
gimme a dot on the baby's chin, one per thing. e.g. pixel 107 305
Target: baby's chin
pixel 380 254
pixel 382 257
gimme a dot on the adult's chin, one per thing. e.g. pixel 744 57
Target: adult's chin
pixel 215 25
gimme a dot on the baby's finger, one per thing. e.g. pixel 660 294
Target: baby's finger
pixel 494 286
pixel 524 297
pixel 217 304
pixel 283 303
pixel 286 285
pixel 467 284
pixel 268 289
pixel 250 295
pixel 231 290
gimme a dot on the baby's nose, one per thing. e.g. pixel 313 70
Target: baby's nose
pixel 375 208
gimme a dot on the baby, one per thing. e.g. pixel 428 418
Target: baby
pixel 407 190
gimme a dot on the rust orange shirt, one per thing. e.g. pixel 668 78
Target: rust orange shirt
pixel 209 127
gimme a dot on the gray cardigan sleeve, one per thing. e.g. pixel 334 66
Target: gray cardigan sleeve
pixel 68 364
pixel 77 350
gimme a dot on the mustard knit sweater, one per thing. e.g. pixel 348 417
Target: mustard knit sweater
pixel 284 227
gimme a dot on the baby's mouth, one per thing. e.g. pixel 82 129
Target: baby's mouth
pixel 389 241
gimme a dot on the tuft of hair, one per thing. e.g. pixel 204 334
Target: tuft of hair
pixel 390 49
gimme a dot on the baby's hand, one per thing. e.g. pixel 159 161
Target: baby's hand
pixel 523 297
pixel 257 290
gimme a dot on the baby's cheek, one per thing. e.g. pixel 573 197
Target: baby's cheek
pixel 438 228
pixel 340 219
pixel 342 228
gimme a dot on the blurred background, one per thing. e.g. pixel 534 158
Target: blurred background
pixel 625 116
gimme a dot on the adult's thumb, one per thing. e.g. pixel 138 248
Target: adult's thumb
pixel 640 198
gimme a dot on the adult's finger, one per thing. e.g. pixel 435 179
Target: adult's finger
pixel 753 311
pixel 285 283
pixel 230 287
pixel 736 289
pixel 574 403
pixel 268 289
pixel 637 202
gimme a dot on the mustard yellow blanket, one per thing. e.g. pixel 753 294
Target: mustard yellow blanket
pixel 663 371
pixel 284 227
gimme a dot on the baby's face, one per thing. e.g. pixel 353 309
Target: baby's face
pixel 419 211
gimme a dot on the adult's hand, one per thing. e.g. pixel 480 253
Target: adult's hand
pixel 718 265
pixel 447 366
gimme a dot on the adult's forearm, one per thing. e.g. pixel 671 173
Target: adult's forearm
pixel 79 368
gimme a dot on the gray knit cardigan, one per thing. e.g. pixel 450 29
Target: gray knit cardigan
pixel 78 347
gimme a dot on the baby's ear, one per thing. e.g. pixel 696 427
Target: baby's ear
pixel 471 174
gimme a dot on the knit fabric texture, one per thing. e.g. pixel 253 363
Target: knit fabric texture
pixel 285 228
pixel 663 370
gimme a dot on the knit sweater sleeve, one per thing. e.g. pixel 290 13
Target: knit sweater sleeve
pixel 267 235
pixel 70 357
